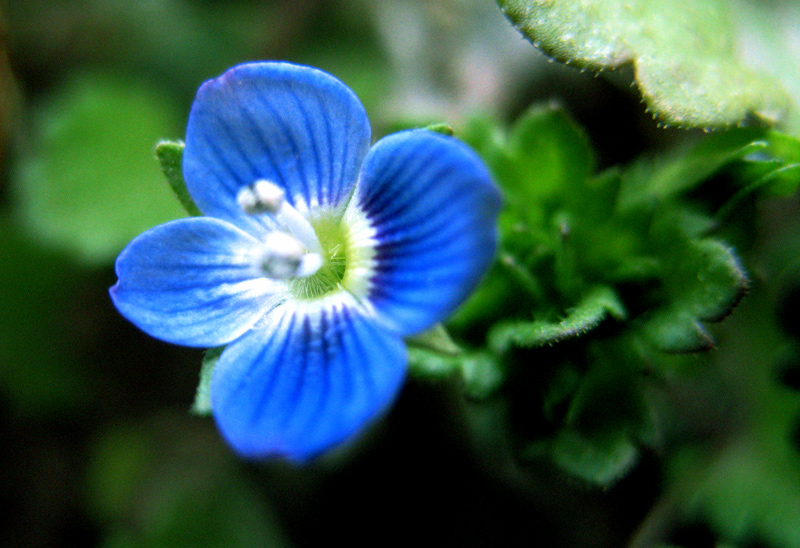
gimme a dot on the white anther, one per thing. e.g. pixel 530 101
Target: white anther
pixel 266 197
pixel 284 257
pixel 261 197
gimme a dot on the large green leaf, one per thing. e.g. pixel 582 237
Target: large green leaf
pixel 89 183
pixel 685 58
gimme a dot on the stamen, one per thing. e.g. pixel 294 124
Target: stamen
pixel 284 257
pixel 266 197
pixel 261 197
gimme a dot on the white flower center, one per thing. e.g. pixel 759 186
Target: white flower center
pixel 283 257
pixel 294 251
pixel 331 251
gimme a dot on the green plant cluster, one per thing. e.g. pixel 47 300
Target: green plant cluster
pixel 606 288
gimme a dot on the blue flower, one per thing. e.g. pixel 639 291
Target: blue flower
pixel 315 256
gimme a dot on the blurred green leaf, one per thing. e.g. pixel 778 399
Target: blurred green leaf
pixel 169 483
pixel 443 128
pixel 89 184
pixel 601 460
pixel 685 61
pixel 481 373
pixel 767 34
pixel 654 178
pixel 41 371
pixel 436 339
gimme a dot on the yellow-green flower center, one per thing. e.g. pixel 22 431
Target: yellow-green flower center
pixel 333 237
pixel 348 251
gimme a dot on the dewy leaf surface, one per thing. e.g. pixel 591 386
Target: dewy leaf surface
pixel 684 56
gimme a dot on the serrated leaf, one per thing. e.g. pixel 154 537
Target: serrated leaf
pixel 685 61
pixel 704 284
pixel 597 304
pixel 89 183
pixel 170 158
pixel 202 398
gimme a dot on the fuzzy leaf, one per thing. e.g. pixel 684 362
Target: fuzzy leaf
pixel 598 304
pixel 704 285
pixel 685 61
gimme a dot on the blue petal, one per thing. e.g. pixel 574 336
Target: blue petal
pixel 296 126
pixel 192 282
pixel 434 209
pixel 308 379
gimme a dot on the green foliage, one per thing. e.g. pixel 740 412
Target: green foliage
pixel 685 61
pixel 602 279
pixel 59 381
pixel 599 303
pixel 95 206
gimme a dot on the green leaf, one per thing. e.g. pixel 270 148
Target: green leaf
pixel 89 184
pixel 704 283
pixel 170 157
pixel 202 398
pixel 544 156
pixel 41 369
pixel 600 460
pixel 685 61
pixel 597 305
pixel 748 489
pixel 436 339
pixel 480 371
pixel 652 179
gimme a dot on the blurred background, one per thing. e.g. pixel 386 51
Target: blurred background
pixel 99 446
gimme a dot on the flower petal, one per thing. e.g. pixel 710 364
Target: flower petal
pixel 307 379
pixel 433 208
pixel 296 126
pixel 193 282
